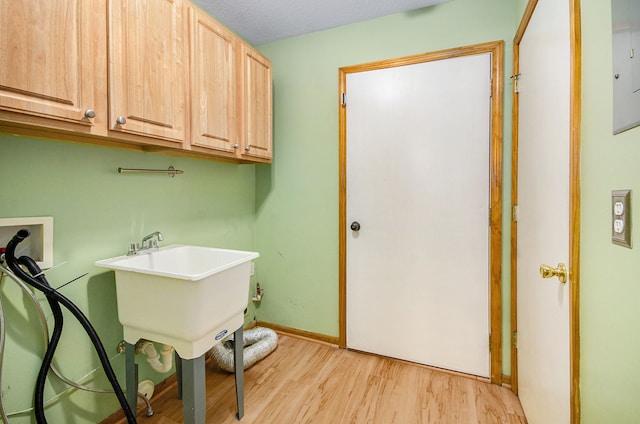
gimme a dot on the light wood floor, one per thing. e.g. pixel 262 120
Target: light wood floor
pixel 308 382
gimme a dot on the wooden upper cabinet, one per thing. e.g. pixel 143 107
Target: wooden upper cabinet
pixel 214 91
pixel 154 73
pixel 147 68
pixel 51 53
pixel 256 98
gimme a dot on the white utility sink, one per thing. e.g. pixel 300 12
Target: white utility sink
pixel 189 297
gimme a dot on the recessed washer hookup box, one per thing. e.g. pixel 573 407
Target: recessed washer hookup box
pixel 39 245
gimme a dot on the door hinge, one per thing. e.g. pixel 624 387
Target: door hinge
pixel 491 88
pixel 489 343
pixel 514 340
pixel 514 213
pixel 344 99
pixel 489 217
pixel 516 85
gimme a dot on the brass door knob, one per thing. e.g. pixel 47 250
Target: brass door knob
pixel 547 271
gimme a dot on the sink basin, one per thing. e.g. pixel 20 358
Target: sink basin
pixel 189 297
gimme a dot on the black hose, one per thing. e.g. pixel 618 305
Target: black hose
pixel 34 269
pixel 77 313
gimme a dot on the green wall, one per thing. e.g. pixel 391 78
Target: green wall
pixel 288 211
pixel 297 197
pixel 610 274
pixel 97 213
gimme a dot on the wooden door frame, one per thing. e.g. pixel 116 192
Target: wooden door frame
pixel 574 202
pixel 496 49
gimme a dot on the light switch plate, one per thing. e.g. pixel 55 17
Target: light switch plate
pixel 621 217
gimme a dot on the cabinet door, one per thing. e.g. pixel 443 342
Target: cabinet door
pixel 49 61
pixel 214 123
pixel 147 68
pixel 256 137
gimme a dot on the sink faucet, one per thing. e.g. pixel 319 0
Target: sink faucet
pixel 154 243
pixel 136 248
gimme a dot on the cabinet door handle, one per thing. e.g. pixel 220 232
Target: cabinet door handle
pixel 89 113
pixel 236 146
pixel 246 149
pixel 121 120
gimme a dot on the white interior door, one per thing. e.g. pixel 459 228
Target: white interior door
pixel 418 164
pixel 543 214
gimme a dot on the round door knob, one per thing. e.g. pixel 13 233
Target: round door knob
pixel 355 226
pixel 246 149
pixel 89 113
pixel 121 120
pixel 236 146
pixel 547 271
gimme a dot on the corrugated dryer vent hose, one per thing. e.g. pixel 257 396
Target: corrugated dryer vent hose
pixel 258 342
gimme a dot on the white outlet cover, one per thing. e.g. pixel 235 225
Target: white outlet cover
pixel 618 208
pixel 618 226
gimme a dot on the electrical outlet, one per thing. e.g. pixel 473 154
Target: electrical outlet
pixel 621 217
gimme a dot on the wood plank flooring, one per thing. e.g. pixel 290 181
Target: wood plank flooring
pixel 305 381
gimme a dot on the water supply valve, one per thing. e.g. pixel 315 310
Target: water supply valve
pixel 258 296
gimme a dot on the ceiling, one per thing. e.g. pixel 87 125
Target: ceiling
pixel 263 21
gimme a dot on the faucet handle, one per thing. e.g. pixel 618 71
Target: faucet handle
pixel 133 249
